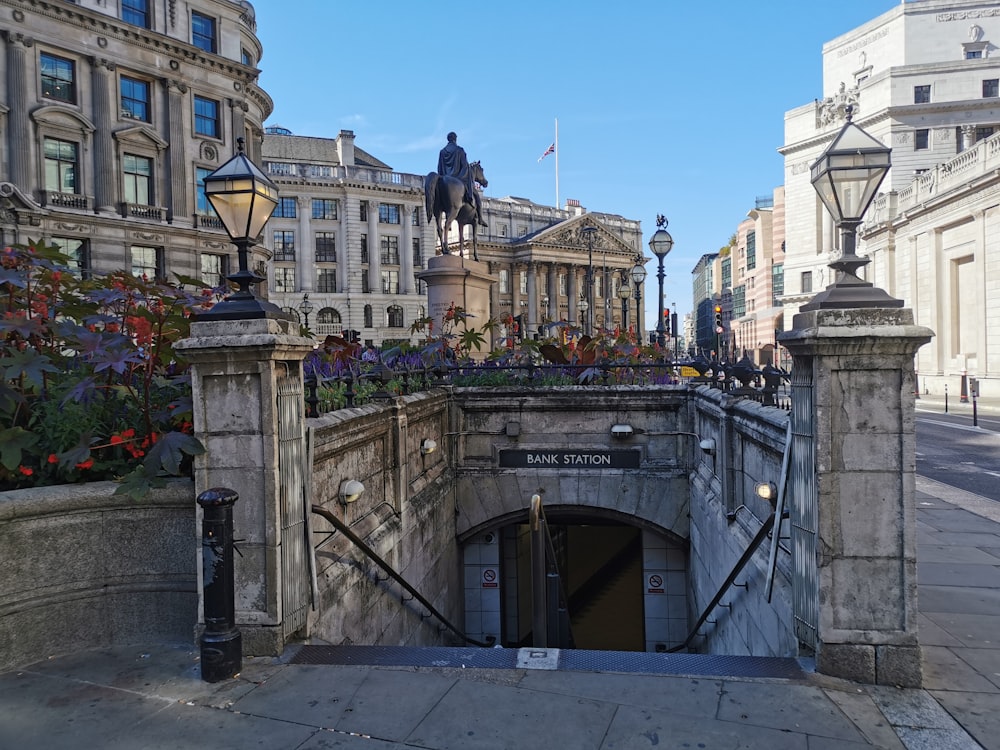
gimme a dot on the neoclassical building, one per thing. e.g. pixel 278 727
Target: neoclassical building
pixel 923 78
pixel 110 116
pixel 351 233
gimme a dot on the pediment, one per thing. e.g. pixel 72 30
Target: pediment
pixel 571 234
pixel 62 118
pixel 141 137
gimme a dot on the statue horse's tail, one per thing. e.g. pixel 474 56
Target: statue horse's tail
pixel 430 190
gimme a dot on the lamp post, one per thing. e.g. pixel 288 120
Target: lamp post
pixel 660 243
pixel 624 293
pixel 846 177
pixel 674 322
pixel 306 307
pixel 638 278
pixel 589 233
pixel 244 199
pixel 584 306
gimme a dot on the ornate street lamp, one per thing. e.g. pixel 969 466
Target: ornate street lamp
pixel 589 309
pixel 306 307
pixel 624 294
pixel 661 243
pixel 244 199
pixel 583 307
pixel 846 177
pixel 638 278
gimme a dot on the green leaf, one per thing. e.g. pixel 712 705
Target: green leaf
pixel 137 484
pixel 13 442
pixel 169 450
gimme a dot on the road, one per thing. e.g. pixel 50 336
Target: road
pixel 951 450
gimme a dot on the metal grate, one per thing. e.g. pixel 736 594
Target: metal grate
pixel 632 662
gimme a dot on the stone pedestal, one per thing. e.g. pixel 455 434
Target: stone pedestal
pixel 248 413
pixel 851 491
pixel 452 279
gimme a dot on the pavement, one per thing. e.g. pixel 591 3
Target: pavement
pixel 151 697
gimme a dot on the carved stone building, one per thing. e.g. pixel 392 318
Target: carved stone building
pixel 923 78
pixel 111 114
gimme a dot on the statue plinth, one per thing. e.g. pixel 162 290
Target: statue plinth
pixel 454 280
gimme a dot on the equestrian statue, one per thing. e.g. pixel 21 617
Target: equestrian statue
pixel 451 194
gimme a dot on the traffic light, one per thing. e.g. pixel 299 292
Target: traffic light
pixel 718 319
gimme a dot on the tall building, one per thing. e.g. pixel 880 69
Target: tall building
pixel 923 79
pixel 111 114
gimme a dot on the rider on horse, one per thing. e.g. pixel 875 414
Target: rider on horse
pixel 453 162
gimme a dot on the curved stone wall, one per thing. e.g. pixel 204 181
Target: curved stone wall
pixel 84 568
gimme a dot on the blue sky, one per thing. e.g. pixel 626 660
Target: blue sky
pixel 663 107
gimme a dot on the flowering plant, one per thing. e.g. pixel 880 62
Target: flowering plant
pixel 90 385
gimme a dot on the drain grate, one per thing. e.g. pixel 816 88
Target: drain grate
pixel 635 662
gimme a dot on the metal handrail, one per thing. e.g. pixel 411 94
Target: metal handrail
pixel 546 583
pixel 374 556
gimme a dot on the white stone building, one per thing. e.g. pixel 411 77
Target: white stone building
pixel 110 116
pixel 924 78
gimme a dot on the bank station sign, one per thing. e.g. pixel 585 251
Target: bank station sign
pixel 563 458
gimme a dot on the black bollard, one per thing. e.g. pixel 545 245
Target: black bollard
pixel 945 398
pixel 221 642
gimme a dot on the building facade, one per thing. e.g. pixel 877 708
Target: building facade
pixel 923 78
pixel 110 117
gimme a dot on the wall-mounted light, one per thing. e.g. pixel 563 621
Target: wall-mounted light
pixel 350 490
pixel 708 445
pixel 766 491
pixel 621 431
pixel 427 446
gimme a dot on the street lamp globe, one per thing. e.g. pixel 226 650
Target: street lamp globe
pixel 660 244
pixel 306 307
pixel 846 177
pixel 638 273
pixel 244 199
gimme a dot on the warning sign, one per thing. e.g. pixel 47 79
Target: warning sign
pixel 490 578
pixel 654 584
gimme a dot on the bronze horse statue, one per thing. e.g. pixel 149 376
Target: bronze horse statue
pixel 444 196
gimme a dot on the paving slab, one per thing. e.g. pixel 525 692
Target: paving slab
pixel 947 573
pixel 959 599
pixel 979 714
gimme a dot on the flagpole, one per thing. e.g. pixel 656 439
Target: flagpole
pixel 557 162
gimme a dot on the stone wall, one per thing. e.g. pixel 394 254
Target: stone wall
pixel 84 568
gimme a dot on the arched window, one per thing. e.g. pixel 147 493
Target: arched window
pixel 394 316
pixel 328 322
pixel 368 317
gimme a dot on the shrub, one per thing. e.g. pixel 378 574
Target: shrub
pixel 91 386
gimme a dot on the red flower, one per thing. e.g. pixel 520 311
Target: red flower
pixel 116 440
pixel 53 458
pixel 85 464
pixel 130 432
pixel 26 470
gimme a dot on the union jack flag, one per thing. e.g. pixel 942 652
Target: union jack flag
pixel 550 150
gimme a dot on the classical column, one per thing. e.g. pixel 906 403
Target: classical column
pixel 515 289
pixel 553 292
pixel 573 294
pixel 18 122
pixel 106 196
pixel 532 316
pixel 851 489
pixel 374 251
pixel 305 253
pixel 407 283
pixel 177 112
pixel 967 137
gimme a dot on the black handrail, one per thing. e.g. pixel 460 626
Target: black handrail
pixel 357 542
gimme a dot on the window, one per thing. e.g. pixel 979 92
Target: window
pixel 991 88
pixel 394 316
pixel 285 209
pixel 388 213
pixel 326 247
pixel 58 78
pixel 284 279
pixel 418 259
pixel 136 12
pixel 326 280
pixel 522 284
pixel 284 245
pixel 201 204
pixel 983 132
pixel 138 179
pixel 324 208
pixel 147 262
pixel 60 166
pixel 245 57
pixel 921 139
pixel 366 285
pixel 283 169
pixel 390 282
pixel 921 94
pixel 320 170
pixel 807 282
pixel 363 211
pixel 214 269
pixel 503 230
pixel 415 217
pixel 364 248
pixel 206 117
pixel 751 250
pixel 562 286
pixel 202 31
pixel 522 230
pixel 504 281
pixel 390 251
pixel 777 284
pixel 739 301
pixel 368 317
pixel 973 54
pixel 78 252
pixel 135 99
